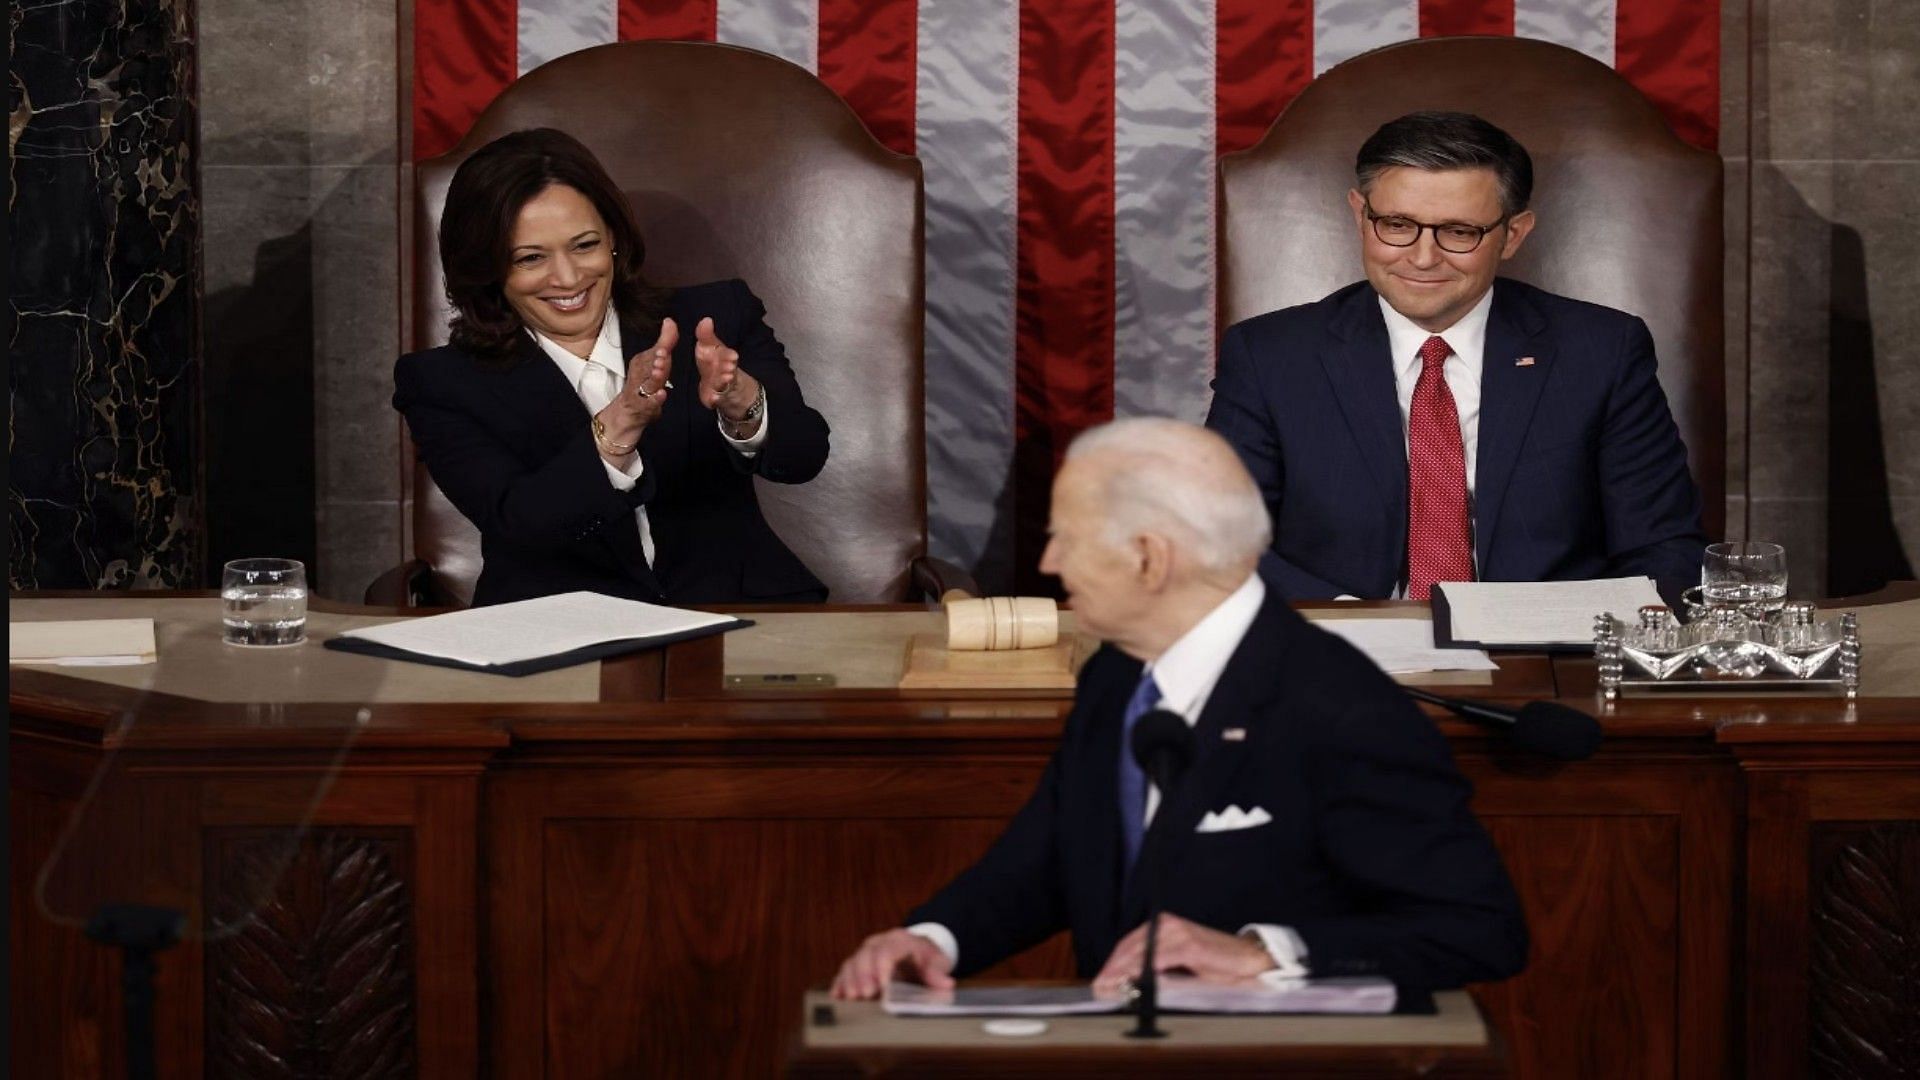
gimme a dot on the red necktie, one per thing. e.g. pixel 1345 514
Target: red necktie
pixel 1439 538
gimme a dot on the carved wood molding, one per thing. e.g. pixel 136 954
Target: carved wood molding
pixel 1865 978
pixel 309 962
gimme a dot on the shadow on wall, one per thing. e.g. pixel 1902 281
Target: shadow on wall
pixel 1863 545
pixel 260 409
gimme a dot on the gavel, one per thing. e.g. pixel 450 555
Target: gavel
pixel 994 623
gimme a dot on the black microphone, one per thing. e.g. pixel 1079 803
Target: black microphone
pixel 1543 727
pixel 1162 746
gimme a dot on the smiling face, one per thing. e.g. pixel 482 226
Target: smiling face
pixel 560 269
pixel 1434 288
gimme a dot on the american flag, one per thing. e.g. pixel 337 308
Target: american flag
pixel 1069 149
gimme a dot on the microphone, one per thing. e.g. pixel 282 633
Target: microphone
pixel 1162 746
pixel 1543 727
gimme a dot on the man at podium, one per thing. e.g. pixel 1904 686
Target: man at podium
pixel 1322 828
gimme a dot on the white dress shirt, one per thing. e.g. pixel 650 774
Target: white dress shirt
pixel 606 355
pixel 1468 340
pixel 1186 673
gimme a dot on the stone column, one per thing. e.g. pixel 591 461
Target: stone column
pixel 105 368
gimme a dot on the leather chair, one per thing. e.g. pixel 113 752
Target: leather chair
pixel 738 164
pixel 1629 214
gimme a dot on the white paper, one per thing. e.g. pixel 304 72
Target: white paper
pixel 1177 994
pixel 81 642
pixel 530 629
pixel 1403 645
pixel 1542 612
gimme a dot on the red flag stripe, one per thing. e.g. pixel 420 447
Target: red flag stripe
pixel 1264 56
pixel 668 20
pixel 464 54
pixel 1449 18
pixel 1064 262
pixel 867 57
pixel 1671 51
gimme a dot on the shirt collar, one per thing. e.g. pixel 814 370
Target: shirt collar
pixel 1187 671
pixel 1467 337
pixel 606 351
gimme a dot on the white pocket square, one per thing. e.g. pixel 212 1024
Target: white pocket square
pixel 1232 819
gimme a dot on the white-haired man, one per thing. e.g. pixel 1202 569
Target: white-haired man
pixel 1322 828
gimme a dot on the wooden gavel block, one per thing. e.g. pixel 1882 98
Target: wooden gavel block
pixel 994 623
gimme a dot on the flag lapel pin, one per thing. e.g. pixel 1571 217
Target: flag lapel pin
pixel 1525 361
pixel 1234 734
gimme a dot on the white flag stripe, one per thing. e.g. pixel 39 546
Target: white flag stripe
pixel 550 29
pixel 964 124
pixel 1163 207
pixel 1343 29
pixel 789 29
pixel 1583 25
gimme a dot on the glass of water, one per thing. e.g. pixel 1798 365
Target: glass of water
pixel 1744 573
pixel 264 602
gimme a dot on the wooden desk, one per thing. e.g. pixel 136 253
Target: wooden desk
pixel 864 1041
pixel 559 888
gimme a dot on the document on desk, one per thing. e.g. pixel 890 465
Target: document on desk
pixel 1399 646
pixel 1353 995
pixel 82 642
pixel 536 635
pixel 1533 614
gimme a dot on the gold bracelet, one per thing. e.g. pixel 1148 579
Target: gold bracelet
pixel 605 444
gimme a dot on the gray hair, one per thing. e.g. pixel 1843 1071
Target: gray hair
pixel 1449 140
pixel 1181 481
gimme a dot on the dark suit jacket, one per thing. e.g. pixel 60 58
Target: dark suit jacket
pixel 1372 856
pixel 512 448
pixel 1581 472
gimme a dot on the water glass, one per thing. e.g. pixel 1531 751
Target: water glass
pixel 264 602
pixel 1744 573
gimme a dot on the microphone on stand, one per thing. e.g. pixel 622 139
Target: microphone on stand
pixel 1163 747
pixel 1543 727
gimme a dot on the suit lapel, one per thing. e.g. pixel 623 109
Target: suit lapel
pixel 1094 810
pixel 1508 394
pixel 533 387
pixel 1360 367
pixel 1246 684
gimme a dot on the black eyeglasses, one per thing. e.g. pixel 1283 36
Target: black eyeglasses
pixel 1456 237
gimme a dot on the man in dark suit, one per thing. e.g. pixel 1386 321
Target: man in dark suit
pixel 1322 828
pixel 1433 423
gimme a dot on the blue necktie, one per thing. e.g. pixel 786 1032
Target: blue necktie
pixel 1133 780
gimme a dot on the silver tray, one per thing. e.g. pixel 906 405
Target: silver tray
pixel 1737 650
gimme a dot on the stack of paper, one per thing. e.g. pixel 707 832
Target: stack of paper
pixel 81 643
pixel 1360 994
pixel 1400 646
pixel 534 635
pixel 1521 614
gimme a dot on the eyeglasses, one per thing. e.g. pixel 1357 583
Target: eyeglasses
pixel 1456 237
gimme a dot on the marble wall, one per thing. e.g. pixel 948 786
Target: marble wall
pixel 1832 161
pixel 300 121
pixel 103 443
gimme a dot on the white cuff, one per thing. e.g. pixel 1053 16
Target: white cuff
pixel 750 445
pixel 624 479
pixel 941 937
pixel 1288 952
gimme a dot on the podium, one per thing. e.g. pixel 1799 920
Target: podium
pixel 862 1040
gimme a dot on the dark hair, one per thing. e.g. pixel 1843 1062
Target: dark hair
pixel 1449 140
pixel 476 236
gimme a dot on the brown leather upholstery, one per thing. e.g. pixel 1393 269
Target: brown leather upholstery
pixel 1629 216
pixel 740 164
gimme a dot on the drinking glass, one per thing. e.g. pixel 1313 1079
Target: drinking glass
pixel 264 602
pixel 1744 573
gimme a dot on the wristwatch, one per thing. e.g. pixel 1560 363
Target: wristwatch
pixel 754 412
